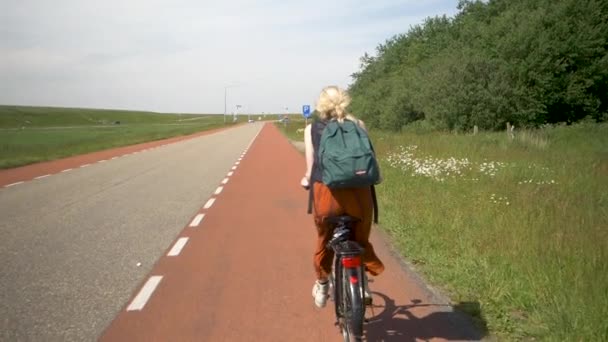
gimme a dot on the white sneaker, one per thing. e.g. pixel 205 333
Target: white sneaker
pixel 319 293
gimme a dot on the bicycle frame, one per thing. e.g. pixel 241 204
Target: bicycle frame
pixel 348 265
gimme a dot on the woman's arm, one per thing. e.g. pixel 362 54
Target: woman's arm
pixel 309 151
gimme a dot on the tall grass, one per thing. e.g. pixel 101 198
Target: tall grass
pixel 520 225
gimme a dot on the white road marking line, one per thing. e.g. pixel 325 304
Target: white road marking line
pixel 40 177
pixel 197 220
pixel 237 163
pixel 13 184
pixel 209 203
pixel 66 170
pixel 85 165
pixel 240 159
pixel 225 181
pixel 144 294
pixel 177 248
pixel 234 168
pixel 114 158
pixel 219 190
pixel 252 140
pixel 230 173
pixel 102 161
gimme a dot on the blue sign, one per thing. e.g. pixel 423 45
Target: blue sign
pixel 306 111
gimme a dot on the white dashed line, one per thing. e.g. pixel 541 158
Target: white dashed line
pixel 144 294
pixel 66 170
pixel 85 165
pixel 40 177
pixel 209 203
pixel 114 158
pixel 225 180
pixel 177 248
pixel 102 161
pixel 230 173
pixel 219 190
pixel 234 168
pixel 197 220
pixel 13 184
pixel 237 163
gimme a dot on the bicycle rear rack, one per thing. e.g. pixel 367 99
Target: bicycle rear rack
pixel 348 248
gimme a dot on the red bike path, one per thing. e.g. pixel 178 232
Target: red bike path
pixel 245 273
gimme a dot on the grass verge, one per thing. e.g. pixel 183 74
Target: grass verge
pixel 519 226
pixel 34 134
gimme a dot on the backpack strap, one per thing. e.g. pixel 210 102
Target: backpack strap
pixel 310 199
pixel 375 200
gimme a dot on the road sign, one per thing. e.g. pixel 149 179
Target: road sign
pixel 306 111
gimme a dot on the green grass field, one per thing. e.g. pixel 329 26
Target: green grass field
pixel 519 226
pixel 34 134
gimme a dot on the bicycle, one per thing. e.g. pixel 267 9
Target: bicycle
pixel 346 280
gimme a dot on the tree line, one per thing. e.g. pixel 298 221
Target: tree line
pixel 526 62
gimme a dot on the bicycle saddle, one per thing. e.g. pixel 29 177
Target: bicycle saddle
pixel 342 219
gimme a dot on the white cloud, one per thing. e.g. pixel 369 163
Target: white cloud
pixel 177 56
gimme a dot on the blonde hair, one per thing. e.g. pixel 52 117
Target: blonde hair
pixel 332 104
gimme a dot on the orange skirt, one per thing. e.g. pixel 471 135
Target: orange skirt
pixel 355 202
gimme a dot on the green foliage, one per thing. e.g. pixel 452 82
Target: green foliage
pixel 527 62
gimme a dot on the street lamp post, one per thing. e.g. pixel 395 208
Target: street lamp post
pixel 226 96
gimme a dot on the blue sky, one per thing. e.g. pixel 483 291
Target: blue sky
pixel 178 56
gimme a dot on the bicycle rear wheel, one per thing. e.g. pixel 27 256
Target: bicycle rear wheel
pixel 353 309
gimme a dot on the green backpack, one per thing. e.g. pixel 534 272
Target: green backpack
pixel 346 156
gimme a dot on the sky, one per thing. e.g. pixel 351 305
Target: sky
pixel 192 56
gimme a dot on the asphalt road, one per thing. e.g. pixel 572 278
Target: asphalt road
pixel 71 242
